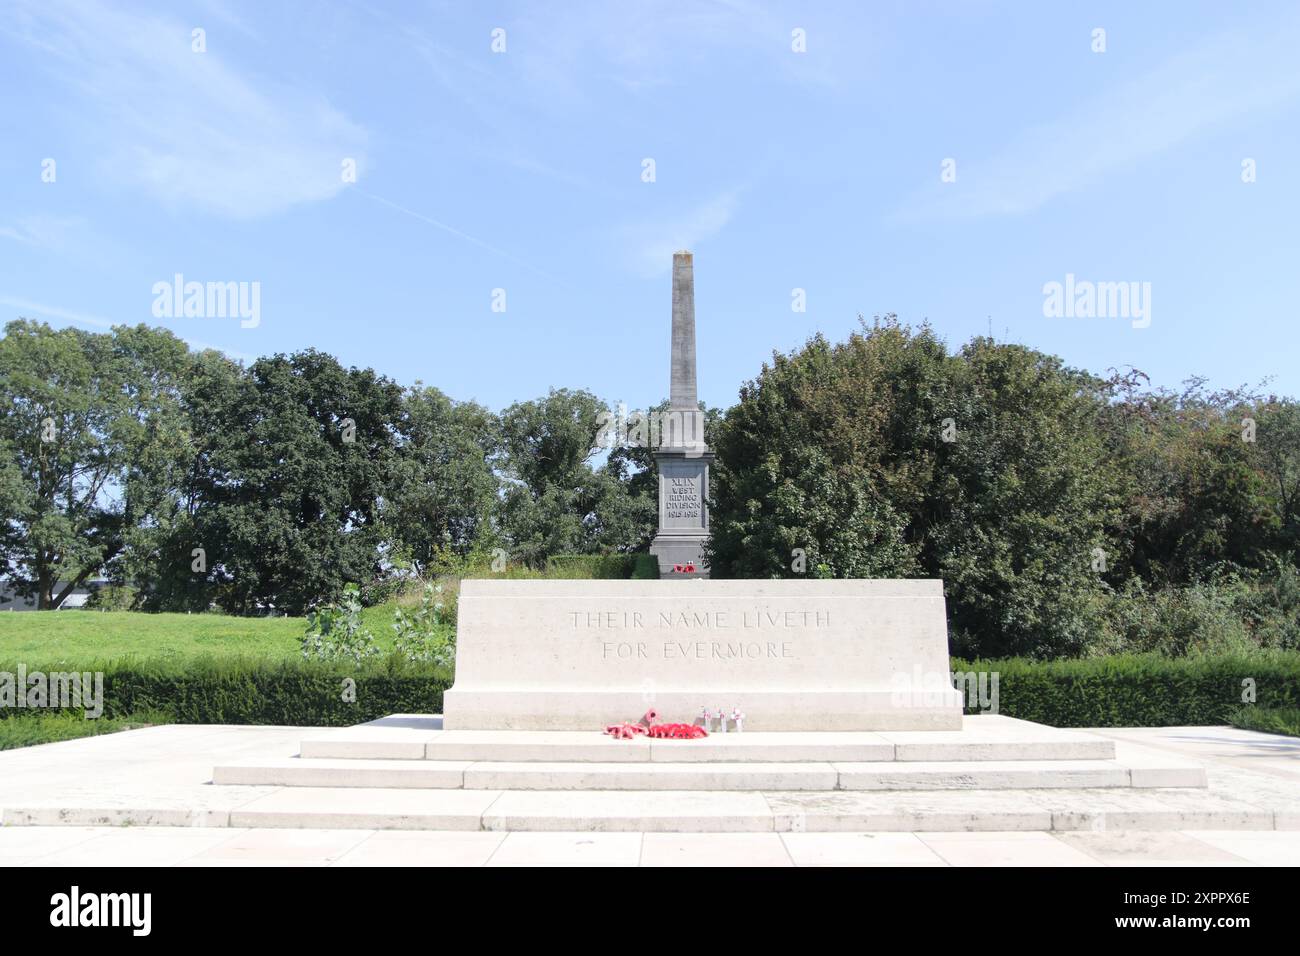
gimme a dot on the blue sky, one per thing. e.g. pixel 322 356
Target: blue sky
pixel 522 170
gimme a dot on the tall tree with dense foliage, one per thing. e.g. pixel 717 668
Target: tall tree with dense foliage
pixel 1278 442
pixel 165 561
pixel 443 488
pixel 886 457
pixel 298 457
pixel 1022 496
pixel 820 457
pixel 90 427
pixel 555 501
pixel 1207 478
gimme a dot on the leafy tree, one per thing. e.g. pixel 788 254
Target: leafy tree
pixel 443 488
pixel 555 502
pixel 820 461
pixel 1195 493
pixel 165 555
pixel 1278 456
pixel 296 461
pixel 1023 497
pixel 90 428
pixel 885 457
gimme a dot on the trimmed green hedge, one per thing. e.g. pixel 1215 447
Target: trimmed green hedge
pixel 1128 691
pixel 1139 690
pixel 291 692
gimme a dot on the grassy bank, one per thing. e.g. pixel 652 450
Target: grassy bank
pixel 1270 720
pixel 74 636
pixel 50 726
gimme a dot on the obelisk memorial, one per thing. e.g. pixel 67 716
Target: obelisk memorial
pixel 553 654
pixel 683 455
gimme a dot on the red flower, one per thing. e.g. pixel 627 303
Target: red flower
pixel 678 731
pixel 624 731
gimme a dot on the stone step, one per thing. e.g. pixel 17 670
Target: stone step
pixel 691 811
pixel 987 738
pixel 649 775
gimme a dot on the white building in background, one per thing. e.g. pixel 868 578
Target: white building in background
pixel 11 600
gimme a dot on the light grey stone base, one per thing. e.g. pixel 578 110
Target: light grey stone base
pixel 525 710
pixel 792 655
pixel 679 550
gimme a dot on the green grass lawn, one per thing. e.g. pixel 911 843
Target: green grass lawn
pixel 50 726
pixel 76 637
pixel 1270 720
pixel 49 637
pixel 89 640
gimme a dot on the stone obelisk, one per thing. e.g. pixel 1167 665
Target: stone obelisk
pixel 682 455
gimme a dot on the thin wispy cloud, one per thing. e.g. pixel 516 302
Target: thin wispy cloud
pixel 653 243
pixel 50 232
pixel 561 65
pixel 647 46
pixel 187 128
pixel 453 231
pixel 40 310
pixel 1224 79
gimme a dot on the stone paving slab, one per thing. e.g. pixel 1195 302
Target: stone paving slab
pixel 652 776
pixel 170 846
pixel 983 737
pixel 367 809
pixel 681 811
pixel 313 772
pixel 1136 771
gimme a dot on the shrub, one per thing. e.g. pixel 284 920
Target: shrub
pixel 45 727
pixel 426 634
pixel 252 691
pixel 1233 611
pixel 645 567
pixel 112 597
pixel 590 566
pixel 335 632
pixel 1123 691
pixel 1270 720
pixel 1148 690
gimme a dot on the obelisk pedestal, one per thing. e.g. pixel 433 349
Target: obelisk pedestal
pixel 683 456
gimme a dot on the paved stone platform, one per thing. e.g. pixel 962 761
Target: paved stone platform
pixel 158 780
pixel 173 846
pixel 989 752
